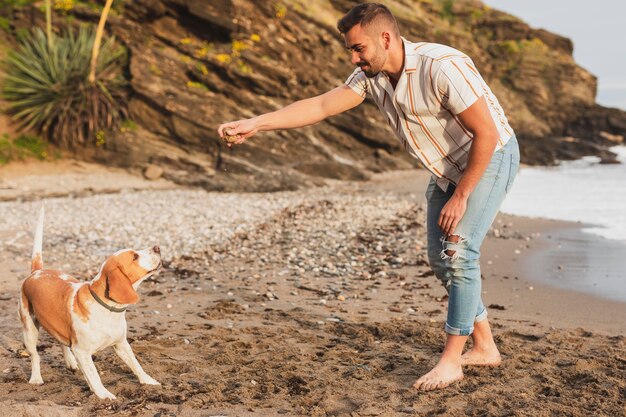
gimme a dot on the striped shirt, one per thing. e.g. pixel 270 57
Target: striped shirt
pixel 437 84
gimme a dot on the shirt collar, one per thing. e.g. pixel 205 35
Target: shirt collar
pixel 410 57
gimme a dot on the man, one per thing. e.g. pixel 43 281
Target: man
pixel 445 115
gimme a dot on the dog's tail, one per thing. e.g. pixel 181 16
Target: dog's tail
pixel 37 260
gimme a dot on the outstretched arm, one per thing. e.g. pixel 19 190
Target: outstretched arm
pixel 301 113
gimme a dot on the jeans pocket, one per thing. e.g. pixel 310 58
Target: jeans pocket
pixel 513 169
pixel 430 189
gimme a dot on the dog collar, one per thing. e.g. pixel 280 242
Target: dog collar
pixel 105 305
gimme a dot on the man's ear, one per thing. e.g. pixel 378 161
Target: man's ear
pixel 386 39
pixel 119 287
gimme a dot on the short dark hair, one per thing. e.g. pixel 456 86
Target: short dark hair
pixel 364 14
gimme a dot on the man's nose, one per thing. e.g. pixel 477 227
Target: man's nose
pixel 354 58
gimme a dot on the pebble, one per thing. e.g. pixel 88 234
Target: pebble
pixel 153 172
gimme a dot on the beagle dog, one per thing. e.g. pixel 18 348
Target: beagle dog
pixel 86 317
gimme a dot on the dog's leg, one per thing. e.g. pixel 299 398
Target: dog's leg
pixel 70 360
pixel 31 335
pixel 85 363
pixel 125 353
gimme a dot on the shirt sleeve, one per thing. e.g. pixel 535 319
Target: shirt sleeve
pixel 458 84
pixel 357 81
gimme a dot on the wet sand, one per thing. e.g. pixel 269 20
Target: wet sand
pixel 265 324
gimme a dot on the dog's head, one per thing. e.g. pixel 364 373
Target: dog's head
pixel 126 269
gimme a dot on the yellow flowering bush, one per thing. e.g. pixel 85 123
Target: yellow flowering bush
pixel 204 51
pixel 100 138
pixel 203 69
pixel 243 67
pixel 223 58
pixel 195 84
pixel 65 5
pixel 280 10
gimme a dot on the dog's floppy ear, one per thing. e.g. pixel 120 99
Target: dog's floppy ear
pixel 119 288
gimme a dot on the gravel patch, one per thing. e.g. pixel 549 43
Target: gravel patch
pixel 81 232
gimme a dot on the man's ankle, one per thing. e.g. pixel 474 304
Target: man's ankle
pixel 484 347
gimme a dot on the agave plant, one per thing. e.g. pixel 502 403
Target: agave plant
pixel 48 89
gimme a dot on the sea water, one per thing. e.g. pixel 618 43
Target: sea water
pixel 582 191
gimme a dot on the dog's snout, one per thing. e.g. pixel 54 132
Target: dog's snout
pixel 156 249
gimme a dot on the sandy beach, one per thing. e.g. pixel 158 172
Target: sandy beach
pixel 316 302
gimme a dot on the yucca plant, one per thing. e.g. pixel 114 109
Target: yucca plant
pixel 48 89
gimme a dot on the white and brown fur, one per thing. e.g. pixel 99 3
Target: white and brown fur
pixel 68 310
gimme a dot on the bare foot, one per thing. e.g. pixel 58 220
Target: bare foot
pixel 481 357
pixel 439 377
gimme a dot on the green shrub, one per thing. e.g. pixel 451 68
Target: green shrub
pixel 128 126
pixel 446 11
pixel 5 24
pixel 48 88
pixel 24 146
pixel 511 47
pixel 15 3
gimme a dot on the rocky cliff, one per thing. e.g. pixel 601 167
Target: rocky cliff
pixel 197 63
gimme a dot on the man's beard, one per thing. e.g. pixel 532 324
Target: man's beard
pixel 374 66
pixel 370 73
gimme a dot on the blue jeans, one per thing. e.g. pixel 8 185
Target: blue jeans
pixel 459 268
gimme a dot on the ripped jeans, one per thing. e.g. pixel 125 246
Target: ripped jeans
pixel 457 264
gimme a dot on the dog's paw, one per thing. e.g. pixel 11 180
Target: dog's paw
pixel 105 395
pixel 35 380
pixel 148 380
pixel 72 366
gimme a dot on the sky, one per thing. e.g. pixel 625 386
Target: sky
pixel 598 30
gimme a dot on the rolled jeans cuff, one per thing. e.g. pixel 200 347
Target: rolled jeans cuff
pixel 455 331
pixel 482 316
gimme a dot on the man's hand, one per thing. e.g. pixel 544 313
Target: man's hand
pixel 301 113
pixel 452 213
pixel 237 132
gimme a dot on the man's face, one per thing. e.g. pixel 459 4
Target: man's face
pixel 366 49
